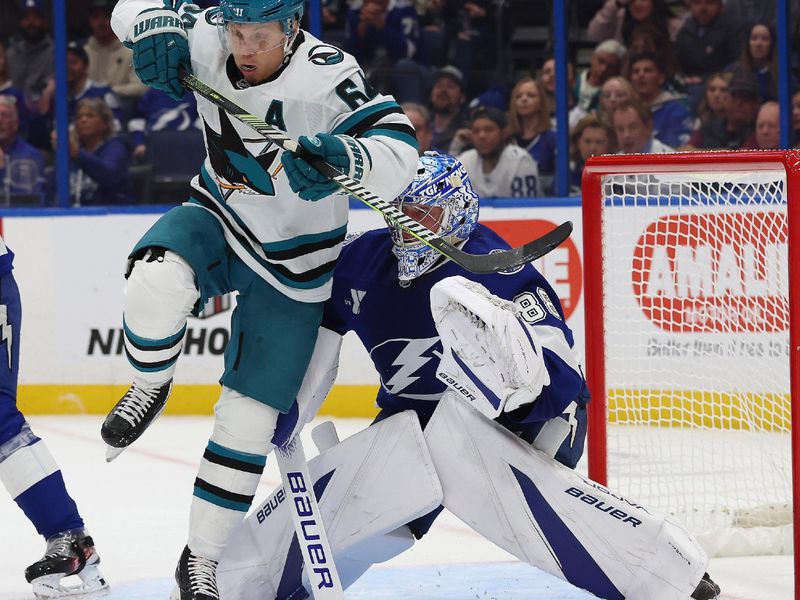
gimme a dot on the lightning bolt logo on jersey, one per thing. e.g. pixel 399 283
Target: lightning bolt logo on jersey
pixel 396 327
pixel 407 367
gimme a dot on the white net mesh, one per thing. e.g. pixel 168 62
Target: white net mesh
pixel 696 346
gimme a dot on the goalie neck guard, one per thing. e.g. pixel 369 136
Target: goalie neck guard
pixel 441 198
pixel 241 28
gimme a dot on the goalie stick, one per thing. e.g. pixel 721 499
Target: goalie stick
pixel 310 530
pixel 474 263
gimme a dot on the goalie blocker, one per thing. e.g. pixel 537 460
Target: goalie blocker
pixel 545 514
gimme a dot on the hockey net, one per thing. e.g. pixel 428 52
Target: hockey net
pixel 688 323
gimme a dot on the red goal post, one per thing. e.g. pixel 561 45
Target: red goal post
pixel 692 301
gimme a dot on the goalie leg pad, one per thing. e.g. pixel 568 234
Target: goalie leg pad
pixel 367 486
pixel 549 516
pixel 489 353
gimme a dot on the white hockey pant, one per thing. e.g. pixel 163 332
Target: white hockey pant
pixel 160 293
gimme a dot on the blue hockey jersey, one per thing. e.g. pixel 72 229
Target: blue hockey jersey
pixel 396 326
pixel 6 258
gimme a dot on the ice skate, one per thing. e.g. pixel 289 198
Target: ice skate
pixel 196 578
pixel 706 589
pixel 68 553
pixel 133 414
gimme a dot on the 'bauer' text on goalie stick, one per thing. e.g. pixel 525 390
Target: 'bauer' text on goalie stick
pixel 475 263
pixel 307 518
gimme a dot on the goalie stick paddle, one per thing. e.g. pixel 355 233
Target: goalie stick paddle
pixel 310 530
pixel 474 263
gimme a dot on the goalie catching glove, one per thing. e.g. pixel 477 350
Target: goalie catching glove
pixel 490 355
pixel 160 50
pixel 340 151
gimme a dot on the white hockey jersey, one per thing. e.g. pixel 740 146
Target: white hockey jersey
pixel 515 176
pixel 290 242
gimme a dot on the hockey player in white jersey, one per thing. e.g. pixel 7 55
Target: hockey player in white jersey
pixel 260 222
pixel 30 473
pixel 506 350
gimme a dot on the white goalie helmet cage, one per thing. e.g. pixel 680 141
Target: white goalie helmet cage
pixel 441 198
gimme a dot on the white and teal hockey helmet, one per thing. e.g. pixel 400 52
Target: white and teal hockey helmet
pixel 244 25
pixel 441 198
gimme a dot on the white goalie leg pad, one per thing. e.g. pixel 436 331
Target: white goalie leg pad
pixel 490 355
pixel 549 516
pixel 367 486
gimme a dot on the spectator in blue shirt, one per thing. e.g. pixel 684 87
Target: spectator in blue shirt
pixel 379 35
pixel 529 118
pixel 590 137
pixel 21 165
pixel 759 57
pixel 79 86
pixel 99 159
pixel 447 102
pixel 7 88
pixel 156 111
pixel 672 121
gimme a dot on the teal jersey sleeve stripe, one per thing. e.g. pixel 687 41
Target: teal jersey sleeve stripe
pixel 303 240
pixel 397 135
pixel 362 114
pixel 253 459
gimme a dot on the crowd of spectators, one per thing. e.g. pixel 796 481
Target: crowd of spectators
pixel 654 76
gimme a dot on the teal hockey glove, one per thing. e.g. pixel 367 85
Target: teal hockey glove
pixel 340 151
pixel 160 50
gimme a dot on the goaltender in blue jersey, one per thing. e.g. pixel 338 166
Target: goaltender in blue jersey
pixel 382 290
pixel 485 363
pixel 258 221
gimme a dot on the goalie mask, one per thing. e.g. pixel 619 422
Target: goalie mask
pixel 245 26
pixel 441 198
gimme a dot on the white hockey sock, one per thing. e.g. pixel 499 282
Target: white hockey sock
pixel 230 471
pixel 159 296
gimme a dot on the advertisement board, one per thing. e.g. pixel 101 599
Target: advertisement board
pixel 70 271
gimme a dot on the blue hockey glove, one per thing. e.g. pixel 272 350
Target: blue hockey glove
pixel 160 49
pixel 340 151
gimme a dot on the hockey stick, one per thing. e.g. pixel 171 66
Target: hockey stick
pixel 309 527
pixel 475 263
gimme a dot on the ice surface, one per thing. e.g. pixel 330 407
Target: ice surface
pixel 136 508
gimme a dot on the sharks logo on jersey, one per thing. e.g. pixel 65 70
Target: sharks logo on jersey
pixel 409 361
pixel 231 160
pixel 323 54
